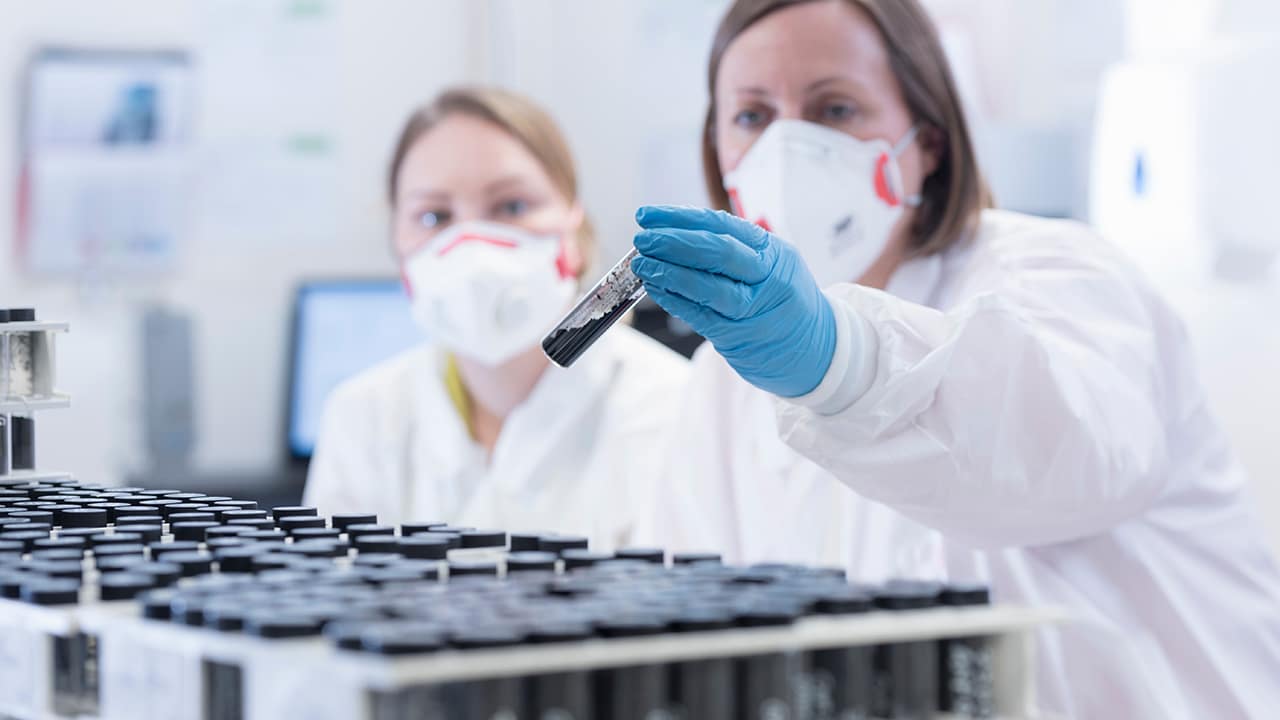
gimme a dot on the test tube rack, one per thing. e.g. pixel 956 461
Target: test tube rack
pixel 80 656
pixel 39 339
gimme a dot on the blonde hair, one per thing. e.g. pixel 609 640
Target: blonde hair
pixel 521 118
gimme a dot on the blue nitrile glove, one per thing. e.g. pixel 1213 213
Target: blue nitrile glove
pixel 743 289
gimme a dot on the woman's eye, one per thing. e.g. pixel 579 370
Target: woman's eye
pixel 513 208
pixel 749 119
pixel 433 218
pixel 837 112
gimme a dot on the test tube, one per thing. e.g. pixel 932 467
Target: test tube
pixel 22 444
pixel 965 675
pixel 616 293
pixel 21 378
pixel 4 355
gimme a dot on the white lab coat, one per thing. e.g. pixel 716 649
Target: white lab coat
pixel 576 457
pixel 1030 417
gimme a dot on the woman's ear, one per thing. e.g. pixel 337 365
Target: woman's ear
pixel 933 144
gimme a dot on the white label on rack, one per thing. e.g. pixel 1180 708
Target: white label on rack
pixel 20 657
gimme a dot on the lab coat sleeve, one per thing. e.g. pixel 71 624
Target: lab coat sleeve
pixel 1026 414
pixel 342 461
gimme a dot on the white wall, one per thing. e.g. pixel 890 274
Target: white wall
pixel 389 55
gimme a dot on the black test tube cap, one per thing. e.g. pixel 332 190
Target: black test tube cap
pixel 401 639
pixel 26 537
pixel 656 556
pixel 490 636
pixel 50 591
pixel 124 585
pixel 191 516
pixel 63 569
pixel 190 563
pixel 908 595
pixel 530 561
pixel 191 530
pixel 463 568
pixel 965 594
pixel 559 543
pixel 424 548
pixel 483 538
pixel 60 543
pixel 255 523
pixel 376 543
pixel 41 516
pixel 292 523
pixel 342 520
pixel 417 526
pixel 115 538
pixel 454 540
pixel 116 563
pixel 520 542
pixel 148 533
pixel 575 558
pixel 226 531
pixel 164 573
pixel 277 625
pixel 315 533
pixel 285 511
pixel 356 530
pixel 119 550
pixel 159 550
pixel 236 559
pixel 76 554
pixel 244 514
pixel 693 558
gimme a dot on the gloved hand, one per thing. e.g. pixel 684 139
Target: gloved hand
pixel 743 289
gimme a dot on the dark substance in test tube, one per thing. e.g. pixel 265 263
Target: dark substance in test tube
pixel 703 688
pixel 634 692
pixel 906 673
pixel 23 449
pixel 565 346
pixel 966 685
pixel 561 694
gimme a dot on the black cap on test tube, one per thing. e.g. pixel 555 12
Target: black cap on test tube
pixel 164 573
pixel 487 636
pixel 236 559
pixel 530 561
pixel 159 550
pixel 961 594
pixel 315 533
pixel 908 595
pixel 463 568
pixel 191 530
pixel 376 543
pixel 191 563
pixel 244 514
pixel 148 533
pixel 63 569
pixel 454 540
pixel 630 625
pixel 115 538
pixel 11 582
pixel 124 585
pixel 11 546
pixel 119 550
pixel 127 513
pixel 111 508
pixel 292 523
pixel 424 548
pixel 75 554
pixel 575 558
pixel 155 604
pixel 190 516
pixel 342 520
pixel 356 530
pixel 22 315
pixel 60 543
pixel 558 543
pixel 225 531
pixel 693 558
pixel 255 523
pixel 50 591
pixel 116 563
pixel 483 538
pixel 656 556
pixel 240 504
pixel 401 638
pixel 285 511
pixel 43 515
pixel 26 537
pixel 268 624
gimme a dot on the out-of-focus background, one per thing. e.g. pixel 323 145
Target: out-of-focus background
pixel 197 185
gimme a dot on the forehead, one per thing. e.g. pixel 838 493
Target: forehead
pixel 813 40
pixel 461 150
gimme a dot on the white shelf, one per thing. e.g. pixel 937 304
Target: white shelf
pixel 35 475
pixel 26 327
pixel 27 406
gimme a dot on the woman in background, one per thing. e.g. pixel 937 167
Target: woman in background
pixel 475 427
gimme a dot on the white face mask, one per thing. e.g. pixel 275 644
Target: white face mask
pixel 834 197
pixel 488 291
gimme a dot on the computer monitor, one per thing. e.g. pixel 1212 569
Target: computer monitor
pixel 340 328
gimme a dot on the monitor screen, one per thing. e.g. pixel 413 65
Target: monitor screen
pixel 340 328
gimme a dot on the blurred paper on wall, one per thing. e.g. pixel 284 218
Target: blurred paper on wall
pixel 105 162
pixel 272 107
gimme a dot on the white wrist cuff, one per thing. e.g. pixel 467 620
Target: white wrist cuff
pixel 853 365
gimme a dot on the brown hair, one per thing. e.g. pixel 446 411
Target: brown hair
pixel 518 116
pixel 955 193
